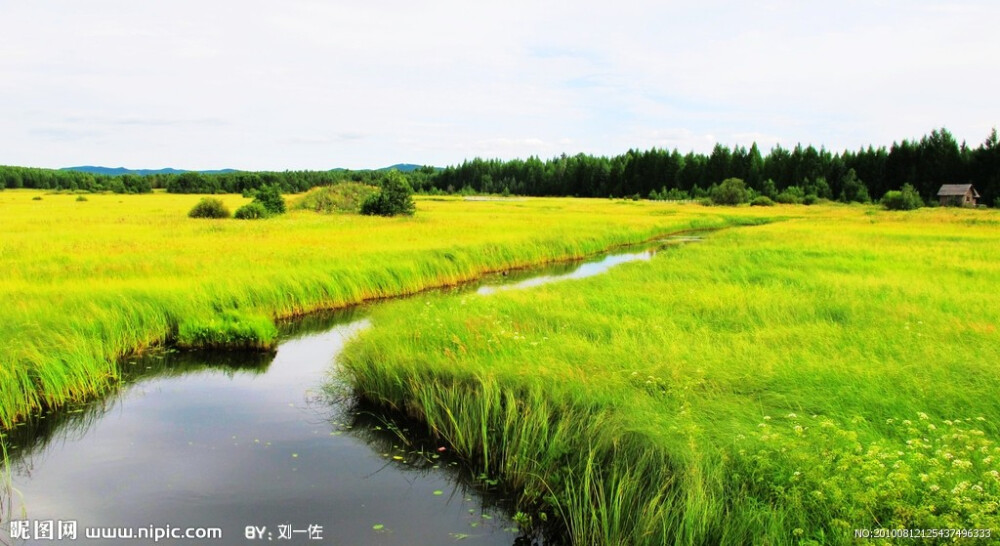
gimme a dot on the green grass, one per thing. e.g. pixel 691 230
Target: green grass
pixel 84 285
pixel 777 384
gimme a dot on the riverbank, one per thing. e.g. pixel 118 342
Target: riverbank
pixel 783 384
pixel 87 282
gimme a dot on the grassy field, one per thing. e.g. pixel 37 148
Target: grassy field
pixel 779 384
pixel 83 282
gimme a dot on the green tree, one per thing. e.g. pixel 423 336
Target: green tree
pixel 270 198
pixel 732 191
pixel 905 199
pixel 395 197
pixel 853 190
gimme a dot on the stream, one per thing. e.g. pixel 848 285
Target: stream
pixel 250 446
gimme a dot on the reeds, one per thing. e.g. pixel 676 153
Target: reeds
pixel 781 384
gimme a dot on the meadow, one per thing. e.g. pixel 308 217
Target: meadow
pixel 810 381
pixel 87 281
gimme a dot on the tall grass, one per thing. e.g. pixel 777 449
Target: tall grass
pixel 82 286
pixel 780 384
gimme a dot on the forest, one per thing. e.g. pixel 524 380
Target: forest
pixel 862 175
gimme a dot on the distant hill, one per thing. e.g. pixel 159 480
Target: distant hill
pixel 118 171
pixel 402 167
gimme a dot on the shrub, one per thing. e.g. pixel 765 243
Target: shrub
pixel 706 202
pixel 674 194
pixel 36 198
pixel 905 199
pixel 996 203
pixel 792 195
pixel 769 189
pixel 251 211
pixel 270 198
pixel 732 191
pixel 820 188
pixel 396 197
pixel 811 199
pixel 81 198
pixel 762 201
pixel 209 207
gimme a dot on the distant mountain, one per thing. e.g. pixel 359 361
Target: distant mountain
pixel 118 171
pixel 402 167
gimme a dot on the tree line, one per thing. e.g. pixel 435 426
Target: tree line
pixel 924 164
pixel 187 182
pixel 861 175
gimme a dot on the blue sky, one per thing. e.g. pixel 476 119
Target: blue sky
pixel 301 84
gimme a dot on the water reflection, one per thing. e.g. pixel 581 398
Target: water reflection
pixel 580 271
pixel 257 443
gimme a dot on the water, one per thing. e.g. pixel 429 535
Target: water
pixel 582 271
pixel 247 443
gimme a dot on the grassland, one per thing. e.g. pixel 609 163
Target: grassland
pixel 778 384
pixel 85 282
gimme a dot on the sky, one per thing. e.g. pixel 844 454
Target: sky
pixel 309 84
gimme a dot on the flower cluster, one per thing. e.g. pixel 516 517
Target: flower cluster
pixel 916 473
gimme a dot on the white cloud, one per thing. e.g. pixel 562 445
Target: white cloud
pixel 265 84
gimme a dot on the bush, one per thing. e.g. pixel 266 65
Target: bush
pixel 762 201
pixel 674 194
pixel 81 198
pixel 705 202
pixel 906 199
pixel 251 211
pixel 769 189
pixel 270 198
pixel 820 188
pixel 36 198
pixel 396 197
pixel 996 203
pixel 811 199
pixel 209 207
pixel 792 195
pixel 732 191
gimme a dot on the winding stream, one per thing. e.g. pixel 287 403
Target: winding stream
pixel 252 445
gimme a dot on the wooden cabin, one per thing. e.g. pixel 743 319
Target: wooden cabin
pixel 958 195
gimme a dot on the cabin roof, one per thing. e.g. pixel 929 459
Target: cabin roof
pixel 948 190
